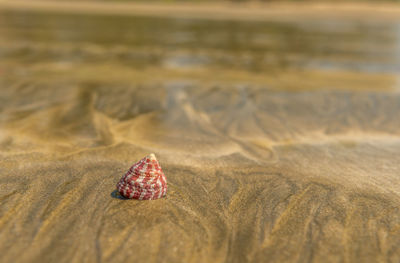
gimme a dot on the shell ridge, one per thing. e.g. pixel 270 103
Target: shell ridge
pixel 144 180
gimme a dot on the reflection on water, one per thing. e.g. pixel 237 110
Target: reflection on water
pixel 249 46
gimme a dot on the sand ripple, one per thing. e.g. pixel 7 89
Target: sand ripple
pixel 257 170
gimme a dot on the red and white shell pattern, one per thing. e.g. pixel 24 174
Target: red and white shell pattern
pixel 144 180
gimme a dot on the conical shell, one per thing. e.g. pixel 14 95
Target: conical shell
pixel 144 180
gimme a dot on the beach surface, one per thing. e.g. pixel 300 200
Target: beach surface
pixel 279 136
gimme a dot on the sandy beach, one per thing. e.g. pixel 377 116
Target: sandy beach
pixel 280 139
pixel 222 10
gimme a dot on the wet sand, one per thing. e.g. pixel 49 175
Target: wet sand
pixel 280 140
pixel 219 10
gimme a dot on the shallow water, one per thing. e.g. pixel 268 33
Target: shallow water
pixel 280 140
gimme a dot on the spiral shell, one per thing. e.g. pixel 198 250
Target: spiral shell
pixel 144 180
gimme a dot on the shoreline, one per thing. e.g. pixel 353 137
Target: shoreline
pixel 217 11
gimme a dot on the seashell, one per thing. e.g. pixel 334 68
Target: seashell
pixel 144 180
